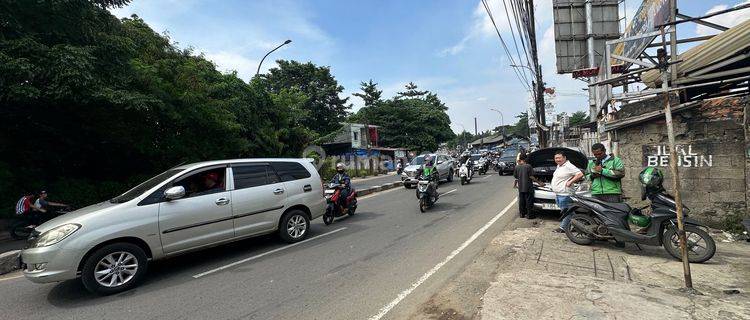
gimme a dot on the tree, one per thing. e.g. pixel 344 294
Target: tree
pixel 92 104
pixel 521 127
pixel 414 121
pixel 324 109
pixel 411 92
pixel 579 118
pixel 370 93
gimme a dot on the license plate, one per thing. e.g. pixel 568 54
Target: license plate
pixel 550 206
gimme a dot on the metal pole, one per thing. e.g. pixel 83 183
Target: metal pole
pixel 502 121
pixel 592 58
pixel 269 52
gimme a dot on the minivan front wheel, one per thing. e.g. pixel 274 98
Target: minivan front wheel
pixel 114 268
pixel 294 226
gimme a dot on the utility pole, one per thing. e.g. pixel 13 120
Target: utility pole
pixel 662 56
pixel 593 112
pixel 538 84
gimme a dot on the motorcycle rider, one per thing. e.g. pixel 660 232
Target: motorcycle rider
pixel 430 173
pixel 342 178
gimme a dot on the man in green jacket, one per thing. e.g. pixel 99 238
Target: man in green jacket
pixel 605 173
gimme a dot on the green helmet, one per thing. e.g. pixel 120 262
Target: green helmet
pixel 651 178
pixel 639 220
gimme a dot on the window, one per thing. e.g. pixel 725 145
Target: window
pixel 203 182
pixel 289 171
pixel 248 176
pixel 355 136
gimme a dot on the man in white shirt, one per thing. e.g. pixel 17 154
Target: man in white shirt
pixel 562 184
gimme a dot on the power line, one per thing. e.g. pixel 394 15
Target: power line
pixel 521 76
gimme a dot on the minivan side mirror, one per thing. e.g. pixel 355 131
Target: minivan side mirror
pixel 440 162
pixel 174 193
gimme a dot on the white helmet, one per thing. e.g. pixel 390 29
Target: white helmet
pixel 340 166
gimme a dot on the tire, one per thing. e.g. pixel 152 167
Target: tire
pixel 579 237
pixel 18 230
pixel 463 181
pixel 294 226
pixel 422 205
pixel 696 237
pixel 327 216
pixel 352 210
pixel 130 257
pixel 450 176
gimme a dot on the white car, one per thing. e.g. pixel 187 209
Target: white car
pixel 194 206
pixel 443 163
pixel 543 163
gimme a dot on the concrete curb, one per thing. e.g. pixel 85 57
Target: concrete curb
pixel 376 189
pixel 10 261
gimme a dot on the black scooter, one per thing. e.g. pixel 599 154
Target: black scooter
pixel 593 219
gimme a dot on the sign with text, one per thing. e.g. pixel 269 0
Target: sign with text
pixel 688 155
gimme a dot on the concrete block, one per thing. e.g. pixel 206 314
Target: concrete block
pixel 10 261
pixel 727 196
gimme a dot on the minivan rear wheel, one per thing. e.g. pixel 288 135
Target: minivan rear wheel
pixel 114 268
pixel 294 226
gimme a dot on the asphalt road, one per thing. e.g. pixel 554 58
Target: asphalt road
pixel 385 262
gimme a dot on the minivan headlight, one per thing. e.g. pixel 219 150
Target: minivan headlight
pixel 56 235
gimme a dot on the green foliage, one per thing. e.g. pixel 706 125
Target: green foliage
pixel 92 105
pixel 413 121
pixel 579 118
pixel 324 109
pixel 370 93
pixel 522 126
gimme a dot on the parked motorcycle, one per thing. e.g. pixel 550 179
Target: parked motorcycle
pixel 593 219
pixel 24 225
pixel 465 172
pixel 427 194
pixel 333 208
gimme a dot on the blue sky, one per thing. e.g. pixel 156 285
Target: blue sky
pixel 448 47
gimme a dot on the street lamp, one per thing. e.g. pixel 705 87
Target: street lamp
pixel 502 121
pixel 269 52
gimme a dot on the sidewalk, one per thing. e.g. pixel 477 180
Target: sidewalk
pixel 545 276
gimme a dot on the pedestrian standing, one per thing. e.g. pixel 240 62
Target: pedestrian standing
pixel 566 174
pixel 605 173
pixel 524 182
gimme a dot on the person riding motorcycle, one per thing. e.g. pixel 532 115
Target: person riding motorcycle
pixel 342 178
pixel 429 172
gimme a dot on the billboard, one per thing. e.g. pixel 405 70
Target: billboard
pixel 571 49
pixel 650 14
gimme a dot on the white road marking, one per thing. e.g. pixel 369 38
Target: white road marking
pixel 387 308
pixel 490 176
pixel 454 190
pixel 263 254
pixel 12 277
pixel 377 193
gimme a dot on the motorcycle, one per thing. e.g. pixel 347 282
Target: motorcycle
pixel 22 227
pixel 465 172
pixel 399 169
pixel 426 193
pixel 593 219
pixel 333 209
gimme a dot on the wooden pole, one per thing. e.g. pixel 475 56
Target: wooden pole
pixel 673 159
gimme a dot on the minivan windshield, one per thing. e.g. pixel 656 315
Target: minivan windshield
pixel 417 161
pixel 145 186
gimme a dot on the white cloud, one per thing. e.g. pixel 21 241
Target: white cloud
pixel 728 20
pixel 230 61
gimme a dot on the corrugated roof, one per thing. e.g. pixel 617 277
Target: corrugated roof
pixel 727 45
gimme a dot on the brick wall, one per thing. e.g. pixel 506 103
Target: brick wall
pixel 712 148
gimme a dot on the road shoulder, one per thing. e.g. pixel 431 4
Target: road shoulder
pixel 534 273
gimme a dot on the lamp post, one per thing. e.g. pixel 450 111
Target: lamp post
pixel 269 52
pixel 502 121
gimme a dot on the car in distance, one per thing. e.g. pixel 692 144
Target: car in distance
pixel 506 164
pixel 190 207
pixel 543 166
pixel 444 165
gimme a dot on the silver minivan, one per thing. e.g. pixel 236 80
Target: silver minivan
pixel 190 207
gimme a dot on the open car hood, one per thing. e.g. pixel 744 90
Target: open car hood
pixel 546 157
